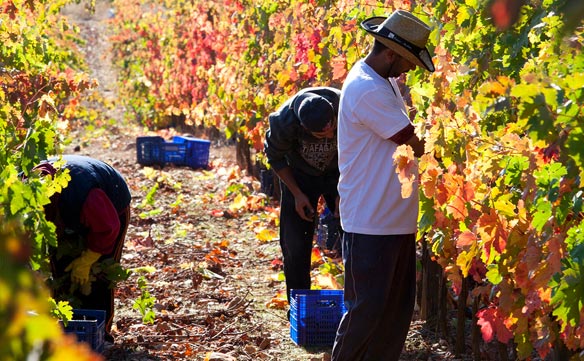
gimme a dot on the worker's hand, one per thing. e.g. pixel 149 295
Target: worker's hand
pixel 85 288
pixel 337 213
pixel 303 208
pixel 81 266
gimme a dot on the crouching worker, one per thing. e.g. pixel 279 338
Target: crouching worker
pixel 301 148
pixel 91 215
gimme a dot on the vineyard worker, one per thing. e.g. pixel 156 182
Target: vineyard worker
pixel 91 215
pixel 301 148
pixel 379 244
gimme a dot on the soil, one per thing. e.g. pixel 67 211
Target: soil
pixel 213 281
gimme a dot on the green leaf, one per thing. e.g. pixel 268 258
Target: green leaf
pixel 525 91
pixel 542 214
pixel 17 202
pixel 575 243
pixel 575 149
pixel 524 347
pixel 568 297
pixel 426 218
pixel 515 166
pixel 464 14
pixel 493 274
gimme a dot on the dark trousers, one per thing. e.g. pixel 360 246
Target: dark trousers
pixel 380 290
pixel 102 293
pixel 296 234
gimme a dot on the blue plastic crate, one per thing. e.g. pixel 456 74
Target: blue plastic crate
pixel 181 151
pixel 315 316
pixel 88 326
pixel 150 151
pixel 196 152
pixel 174 153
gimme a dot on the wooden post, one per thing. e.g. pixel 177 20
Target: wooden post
pixel 461 319
pixel 442 308
pixel 430 286
pixel 476 334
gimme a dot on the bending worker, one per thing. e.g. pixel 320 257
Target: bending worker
pixel 91 215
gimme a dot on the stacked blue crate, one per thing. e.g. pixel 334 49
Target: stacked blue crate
pixel 315 316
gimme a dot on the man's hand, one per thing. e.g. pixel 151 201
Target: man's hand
pixel 81 266
pixel 303 208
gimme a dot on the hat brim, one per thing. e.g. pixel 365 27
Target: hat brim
pixel 422 59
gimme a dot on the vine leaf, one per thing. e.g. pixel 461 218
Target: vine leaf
pixel 493 232
pixel 339 67
pixel 492 325
pixel 405 163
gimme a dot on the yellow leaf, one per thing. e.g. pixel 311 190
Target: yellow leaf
pixel 266 235
pixel 279 301
pixel 327 281
pixel 238 203
pixel 504 205
pixel 464 261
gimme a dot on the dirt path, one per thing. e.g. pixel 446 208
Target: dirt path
pixel 210 275
pixel 211 278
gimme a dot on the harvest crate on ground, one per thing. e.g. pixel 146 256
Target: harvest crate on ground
pixel 315 316
pixel 181 151
pixel 88 326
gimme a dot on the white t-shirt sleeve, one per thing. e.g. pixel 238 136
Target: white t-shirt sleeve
pixel 383 112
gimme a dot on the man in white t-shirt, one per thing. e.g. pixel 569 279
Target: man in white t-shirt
pixel 380 226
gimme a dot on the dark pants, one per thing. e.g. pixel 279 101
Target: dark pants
pixel 296 234
pixel 380 290
pixel 102 293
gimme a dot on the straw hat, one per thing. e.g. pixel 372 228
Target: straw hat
pixel 405 34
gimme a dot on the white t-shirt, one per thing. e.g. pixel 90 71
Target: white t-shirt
pixel 371 112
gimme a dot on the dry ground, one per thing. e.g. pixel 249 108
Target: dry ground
pixel 210 276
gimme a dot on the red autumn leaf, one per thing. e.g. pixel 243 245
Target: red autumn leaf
pixel 555 254
pixel 217 213
pixel 339 67
pixel 463 194
pixel 521 276
pixel 493 325
pixel 277 264
pixel 349 26
pixel 457 206
pixel 505 13
pixel 11 10
pixel 429 178
pixel 316 254
pixel 531 256
pixel 477 270
pixel 466 239
pixel 405 163
pixel 441 194
pixel 493 231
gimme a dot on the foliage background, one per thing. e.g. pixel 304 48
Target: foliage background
pixel 42 81
pixel 502 209
pixel 503 111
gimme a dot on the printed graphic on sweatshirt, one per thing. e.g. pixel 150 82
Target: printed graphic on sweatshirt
pixel 320 153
